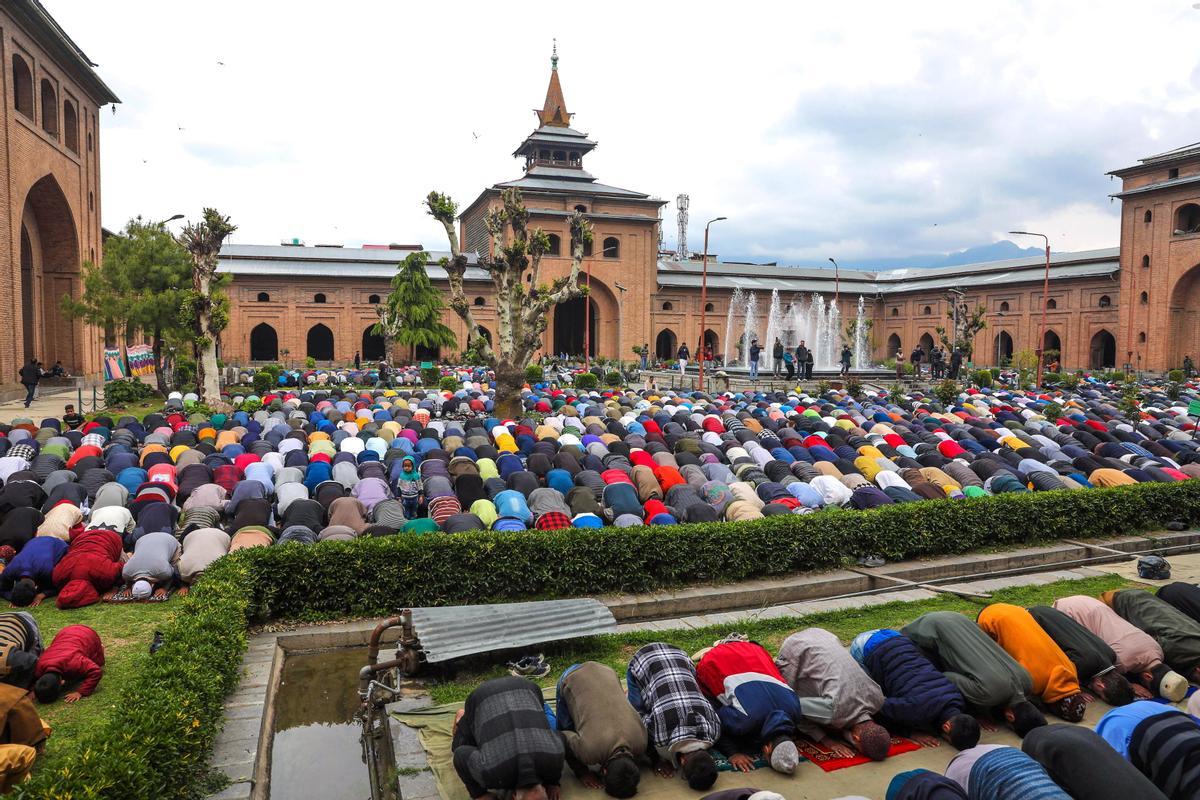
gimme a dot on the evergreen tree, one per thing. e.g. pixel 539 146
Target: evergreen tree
pixel 412 313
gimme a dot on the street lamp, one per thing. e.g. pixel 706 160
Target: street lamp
pixel 620 313
pixel 1001 315
pixel 837 285
pixel 1045 295
pixel 170 219
pixel 704 301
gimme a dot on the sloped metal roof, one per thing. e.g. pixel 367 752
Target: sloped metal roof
pixel 329 262
pixel 575 187
pixel 450 632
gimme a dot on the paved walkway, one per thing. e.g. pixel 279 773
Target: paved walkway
pixel 48 403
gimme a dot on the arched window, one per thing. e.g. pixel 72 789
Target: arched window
pixel 374 348
pixel 895 311
pixel 373 299
pixel 91 201
pixel 319 343
pixel 1187 219
pixel 1145 262
pixel 22 86
pixel 612 247
pixel 70 126
pixel 318 298
pixel 1142 337
pixel 668 306
pixel 264 343
pixel 1147 216
pixel 1145 298
pixel 927 311
pixel 560 155
pixel 49 108
pixel 1051 303
pixel 263 297
pixel 89 138
pixel 582 209
pixel 479 301
pixel 1105 301
pixel 486 334
pixel 709 307
pixel 893 344
pixel 555 247
pixel 1004 306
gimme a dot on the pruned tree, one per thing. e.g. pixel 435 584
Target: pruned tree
pixel 104 301
pixel 203 241
pixel 522 307
pixel 412 313
pixel 969 323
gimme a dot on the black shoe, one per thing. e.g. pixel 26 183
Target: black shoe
pixel 157 644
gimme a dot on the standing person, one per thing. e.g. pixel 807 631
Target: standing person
pixel 899 365
pixel 681 723
pixel 917 356
pixel 76 654
pixel 808 365
pixel 846 358
pixel 755 353
pixel 935 363
pixel 789 363
pixel 409 487
pixel 802 355
pixel 776 357
pixel 600 729
pixel 1189 368
pixel 503 743
pixel 683 355
pixel 357 361
pixel 956 359
pixel 645 356
pixel 30 375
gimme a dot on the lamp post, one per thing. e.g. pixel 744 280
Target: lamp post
pixel 1001 315
pixel 587 321
pixel 620 313
pixel 837 285
pixel 1045 296
pixel 704 301
pixel 170 219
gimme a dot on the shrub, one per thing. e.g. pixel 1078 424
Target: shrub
pixel 1116 376
pixel 896 393
pixel 534 374
pixel 156 741
pixel 274 369
pixel 612 378
pixel 995 373
pixel 431 376
pixel 823 387
pixel 450 384
pixel 946 392
pixel 310 363
pixel 250 406
pixel 125 391
pixel 982 378
pixel 183 372
pixel 1070 381
pixel 1051 378
pixel 586 380
pixel 1174 390
pixel 1175 376
pixel 854 387
pixel 1052 412
pixel 262 382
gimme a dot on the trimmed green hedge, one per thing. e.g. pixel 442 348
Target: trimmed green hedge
pixel 157 741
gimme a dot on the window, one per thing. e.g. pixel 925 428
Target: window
pixel 560 155
pixel 709 307
pixel 1004 306
pixel 668 306
pixel 895 311
pixel 49 108
pixel 544 155
pixel 582 209
pixel 927 311
pixel 1142 337
pixel 89 141
pixel 1145 298
pixel 1105 301
pixel 91 202
pixel 263 297
pixel 70 126
pixel 1147 217
pixel 1145 262
pixel 1187 219
pixel 587 248
pixel 1051 303
pixel 555 247
pixel 318 298
pixel 479 301
pixel 1173 173
pixel 574 159
pixel 612 247
pixel 22 86
pixel 373 299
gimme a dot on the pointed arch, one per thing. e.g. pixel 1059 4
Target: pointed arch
pixel 1002 348
pixel 264 343
pixel 49 225
pixel 374 347
pixel 665 346
pixel 1103 350
pixel 319 343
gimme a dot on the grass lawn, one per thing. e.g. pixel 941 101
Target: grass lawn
pixel 138 410
pixel 126 630
pixel 616 649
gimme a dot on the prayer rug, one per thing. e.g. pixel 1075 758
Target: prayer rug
pixel 823 758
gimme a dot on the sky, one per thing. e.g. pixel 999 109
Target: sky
pixel 854 130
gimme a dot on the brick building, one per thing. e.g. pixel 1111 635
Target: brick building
pixel 50 192
pixel 1138 304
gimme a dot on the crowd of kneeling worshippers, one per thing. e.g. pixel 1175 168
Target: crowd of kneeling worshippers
pixel 136 507
pixel 933 679
pixel 30 671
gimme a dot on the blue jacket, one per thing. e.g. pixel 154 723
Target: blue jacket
pixel 36 560
pixel 918 695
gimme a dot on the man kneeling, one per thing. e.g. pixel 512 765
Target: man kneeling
pixel 600 729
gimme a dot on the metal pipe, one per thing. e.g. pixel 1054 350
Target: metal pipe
pixel 377 635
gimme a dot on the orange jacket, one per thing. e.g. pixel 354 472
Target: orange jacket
pixel 1018 633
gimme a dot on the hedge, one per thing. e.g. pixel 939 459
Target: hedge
pixel 157 741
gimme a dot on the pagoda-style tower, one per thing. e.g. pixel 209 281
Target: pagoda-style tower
pixel 555 149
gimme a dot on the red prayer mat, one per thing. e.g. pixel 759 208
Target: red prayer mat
pixel 825 760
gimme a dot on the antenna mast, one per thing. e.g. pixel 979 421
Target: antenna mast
pixel 681 202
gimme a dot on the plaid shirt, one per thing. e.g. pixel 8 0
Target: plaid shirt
pixel 663 688
pixel 552 520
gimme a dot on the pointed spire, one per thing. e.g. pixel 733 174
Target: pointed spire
pixel 554 112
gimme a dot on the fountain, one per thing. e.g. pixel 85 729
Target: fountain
pixel 861 356
pixel 773 330
pixel 736 303
pixel 749 327
pixel 811 319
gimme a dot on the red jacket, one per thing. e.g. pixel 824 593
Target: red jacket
pixel 733 658
pixel 77 655
pixel 94 556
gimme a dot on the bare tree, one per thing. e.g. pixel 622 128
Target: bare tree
pixel 203 242
pixel 522 307
pixel 969 323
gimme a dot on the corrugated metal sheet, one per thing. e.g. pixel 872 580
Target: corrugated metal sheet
pixel 455 631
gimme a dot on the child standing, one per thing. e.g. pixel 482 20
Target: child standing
pixel 409 487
